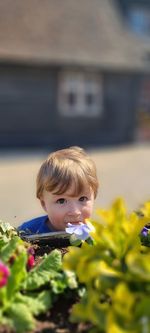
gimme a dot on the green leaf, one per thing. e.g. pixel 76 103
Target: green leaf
pixel 123 301
pixel 139 264
pixel 90 309
pixel 71 279
pixel 18 274
pixel 41 274
pixel 59 284
pixel 21 317
pixel 52 262
pixel 6 227
pixel 36 280
pixel 10 248
pixel 3 242
pixel 36 302
pixel 143 307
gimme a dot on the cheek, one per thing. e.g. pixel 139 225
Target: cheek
pixel 87 211
pixel 56 212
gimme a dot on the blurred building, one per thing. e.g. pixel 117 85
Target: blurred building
pixel 72 72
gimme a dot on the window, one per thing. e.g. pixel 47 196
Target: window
pixel 139 20
pixel 80 94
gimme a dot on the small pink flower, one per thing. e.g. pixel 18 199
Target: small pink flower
pixel 4 274
pixel 30 262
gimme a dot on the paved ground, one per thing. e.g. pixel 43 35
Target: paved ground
pixel 122 172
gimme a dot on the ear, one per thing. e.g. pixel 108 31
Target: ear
pixel 43 204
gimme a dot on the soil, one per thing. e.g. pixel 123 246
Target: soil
pixel 56 320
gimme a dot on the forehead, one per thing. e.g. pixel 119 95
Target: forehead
pixel 71 191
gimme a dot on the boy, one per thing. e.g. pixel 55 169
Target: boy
pixel 66 186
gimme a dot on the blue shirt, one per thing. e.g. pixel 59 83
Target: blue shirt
pixel 35 226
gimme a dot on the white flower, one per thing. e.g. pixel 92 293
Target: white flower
pixel 82 230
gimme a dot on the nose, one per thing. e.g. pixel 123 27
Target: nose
pixel 74 209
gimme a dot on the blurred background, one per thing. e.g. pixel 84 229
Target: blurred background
pixel 74 73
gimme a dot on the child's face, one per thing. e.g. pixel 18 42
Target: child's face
pixel 63 209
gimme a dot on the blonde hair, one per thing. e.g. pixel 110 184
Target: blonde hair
pixel 65 167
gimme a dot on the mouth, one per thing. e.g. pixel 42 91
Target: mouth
pixel 74 222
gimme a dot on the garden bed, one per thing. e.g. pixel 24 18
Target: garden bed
pixel 55 320
pixel 102 283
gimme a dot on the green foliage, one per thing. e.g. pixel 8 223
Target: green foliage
pixel 111 275
pixel 6 232
pixel 45 272
pixel 26 294
pixel 115 272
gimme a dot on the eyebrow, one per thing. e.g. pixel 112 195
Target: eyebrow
pixel 72 195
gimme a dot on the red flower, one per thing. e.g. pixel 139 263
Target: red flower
pixel 30 262
pixel 12 259
pixel 4 274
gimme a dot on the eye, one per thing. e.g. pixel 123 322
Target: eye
pixel 83 199
pixel 61 201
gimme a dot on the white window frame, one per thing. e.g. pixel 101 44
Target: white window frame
pixel 80 85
